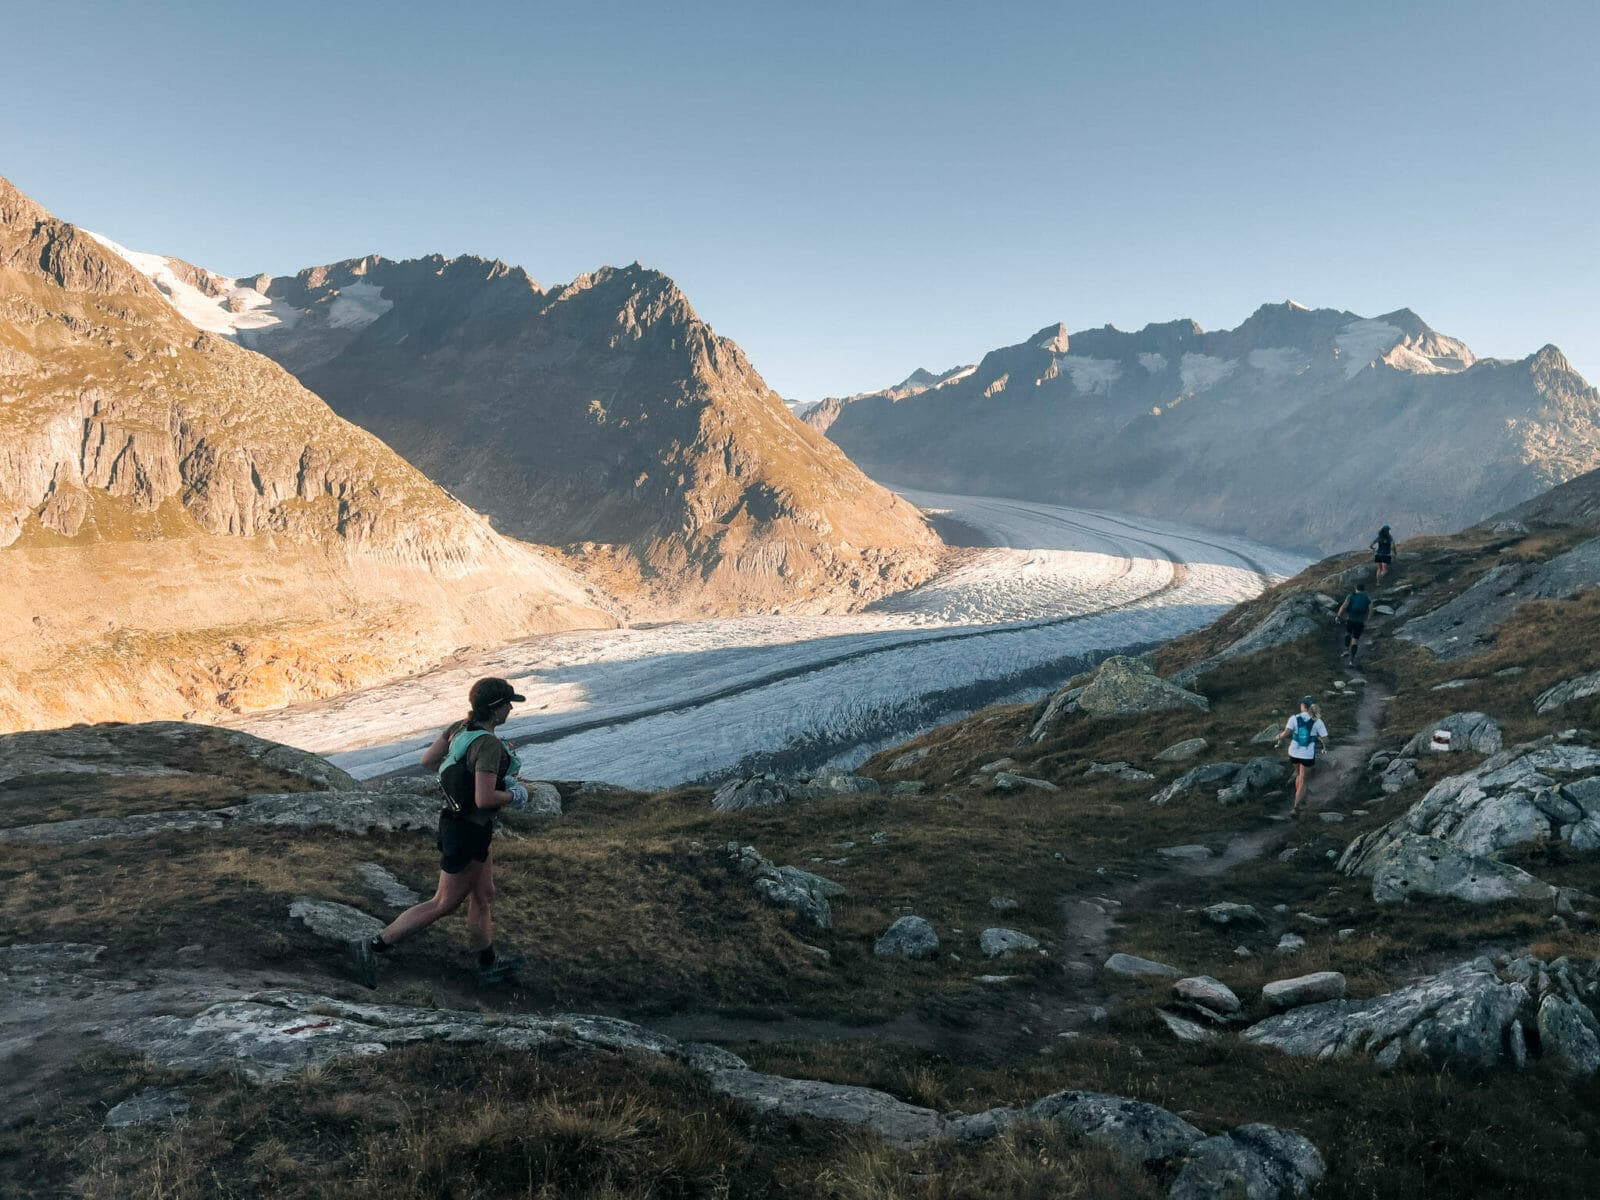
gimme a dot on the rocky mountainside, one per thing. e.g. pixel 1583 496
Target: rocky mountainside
pixel 1305 427
pixel 187 529
pixel 602 415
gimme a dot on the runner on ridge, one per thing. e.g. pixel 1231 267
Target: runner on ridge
pixel 1353 612
pixel 1382 548
pixel 1304 730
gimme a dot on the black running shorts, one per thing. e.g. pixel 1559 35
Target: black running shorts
pixel 1354 628
pixel 1309 764
pixel 1383 558
pixel 462 843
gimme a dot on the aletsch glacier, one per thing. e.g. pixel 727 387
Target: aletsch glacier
pixel 652 707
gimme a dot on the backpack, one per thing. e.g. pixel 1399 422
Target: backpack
pixel 456 779
pixel 1302 730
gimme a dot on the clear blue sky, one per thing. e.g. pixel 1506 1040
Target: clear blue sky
pixel 852 190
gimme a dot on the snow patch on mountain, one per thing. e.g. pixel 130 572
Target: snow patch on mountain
pixel 234 307
pixel 1362 341
pixel 1200 371
pixel 1092 374
pixel 1280 360
pixel 1154 363
pixel 357 305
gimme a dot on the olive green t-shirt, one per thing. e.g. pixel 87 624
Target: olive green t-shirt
pixel 487 753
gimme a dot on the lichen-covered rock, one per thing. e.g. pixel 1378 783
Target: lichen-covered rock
pixel 544 800
pixel 1412 865
pixel 1186 749
pixel 909 759
pixel 808 894
pixel 1252 1162
pixel 1565 692
pixel 1208 993
pixel 1569 1033
pixel 1118 770
pixel 1205 775
pixel 1256 776
pixel 1229 913
pixel 1135 967
pixel 909 937
pixel 1142 1132
pixel 1006 781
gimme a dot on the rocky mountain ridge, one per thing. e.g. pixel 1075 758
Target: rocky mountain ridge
pixel 163 490
pixel 602 415
pixel 1303 426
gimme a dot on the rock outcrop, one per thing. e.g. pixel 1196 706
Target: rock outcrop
pixel 1119 687
pixel 1447 843
pixel 786 887
pixel 1299 616
pixel 1473 1015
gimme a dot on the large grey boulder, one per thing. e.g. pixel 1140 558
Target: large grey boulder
pixel 1142 1132
pixel 762 791
pixel 544 800
pixel 1296 617
pixel 1205 775
pixel 893 1120
pixel 1208 993
pixel 1463 626
pixel 997 941
pixel 908 937
pixel 1413 865
pixel 1124 687
pixel 1252 1162
pixel 808 894
pixel 1474 731
pixel 1460 1015
pixel 1569 1033
pixel 1565 692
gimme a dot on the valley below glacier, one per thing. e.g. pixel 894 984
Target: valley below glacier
pixel 1039 592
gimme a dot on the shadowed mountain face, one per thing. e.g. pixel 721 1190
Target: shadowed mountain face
pixel 602 415
pixel 187 529
pixel 1305 427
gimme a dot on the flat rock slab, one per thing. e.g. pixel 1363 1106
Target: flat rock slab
pixel 30 958
pixel 1297 617
pixel 1424 866
pixel 1186 749
pixel 1188 853
pixel 276 1034
pixel 153 1106
pixel 893 1120
pixel 334 921
pixel 1135 967
pixel 1228 913
pixel 389 889
pixel 347 812
pixel 1184 1029
pixel 1565 692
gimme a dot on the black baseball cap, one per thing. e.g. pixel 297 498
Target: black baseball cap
pixel 491 693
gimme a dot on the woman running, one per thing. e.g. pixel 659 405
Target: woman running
pixel 1304 730
pixel 1382 548
pixel 477 773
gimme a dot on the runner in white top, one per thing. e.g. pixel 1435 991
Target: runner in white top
pixel 1305 731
